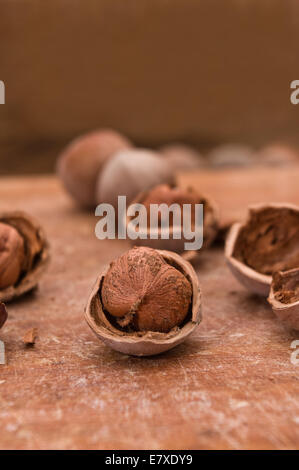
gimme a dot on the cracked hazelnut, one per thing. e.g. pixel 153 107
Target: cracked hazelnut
pixel 130 171
pixel 284 297
pixel 23 254
pixel 267 242
pixel 146 302
pixel 3 314
pixel 83 159
pixel 12 255
pixel 169 195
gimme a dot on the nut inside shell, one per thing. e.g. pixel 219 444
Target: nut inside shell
pixel 171 194
pixel 284 297
pixel 144 343
pixel 30 259
pixel 267 242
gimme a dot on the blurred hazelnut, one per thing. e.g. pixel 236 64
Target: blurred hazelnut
pixel 182 157
pixel 130 171
pixel 277 155
pixel 167 194
pixel 145 303
pixel 82 160
pixel 231 155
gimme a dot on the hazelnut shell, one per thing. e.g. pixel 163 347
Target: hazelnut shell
pixel 287 313
pixel 177 245
pixel 148 343
pixel 3 314
pixel 36 253
pixel 254 281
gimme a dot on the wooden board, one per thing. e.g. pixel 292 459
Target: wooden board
pixel 231 386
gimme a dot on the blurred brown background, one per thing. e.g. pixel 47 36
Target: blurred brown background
pixel 198 71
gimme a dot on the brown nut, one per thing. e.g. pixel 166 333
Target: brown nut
pixel 284 297
pixel 175 195
pixel 130 171
pixel 267 242
pixel 153 299
pixel 231 155
pixel 182 157
pixel 83 159
pixel 277 155
pixel 24 254
pixel 3 314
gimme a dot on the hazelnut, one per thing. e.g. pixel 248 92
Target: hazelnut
pixel 12 255
pixel 83 159
pixel 3 314
pixel 146 302
pixel 267 242
pixel 130 171
pixel 182 157
pixel 284 297
pixel 175 195
pixel 277 155
pixel 231 155
pixel 24 254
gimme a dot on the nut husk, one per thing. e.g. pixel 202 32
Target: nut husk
pixel 284 297
pixel 267 242
pixel 36 253
pixel 140 343
pixel 210 228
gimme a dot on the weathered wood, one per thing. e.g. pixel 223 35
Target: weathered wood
pixel 232 385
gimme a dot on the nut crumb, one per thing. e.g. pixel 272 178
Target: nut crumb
pixel 30 336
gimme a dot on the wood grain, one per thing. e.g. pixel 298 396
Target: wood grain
pixel 231 386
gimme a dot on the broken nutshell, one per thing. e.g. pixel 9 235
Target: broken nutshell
pixel 145 303
pixel 284 297
pixel 267 242
pixel 170 194
pixel 24 254
pixel 3 314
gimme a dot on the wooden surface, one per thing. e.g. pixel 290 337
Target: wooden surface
pixel 231 386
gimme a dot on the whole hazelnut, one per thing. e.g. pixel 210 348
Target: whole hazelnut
pixel 145 303
pixel 24 254
pixel 277 155
pixel 284 297
pixel 267 242
pixel 170 194
pixel 182 157
pixel 83 159
pixel 3 314
pixel 130 171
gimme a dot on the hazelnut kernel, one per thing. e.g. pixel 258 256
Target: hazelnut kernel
pixel 143 291
pixel 24 254
pixel 11 255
